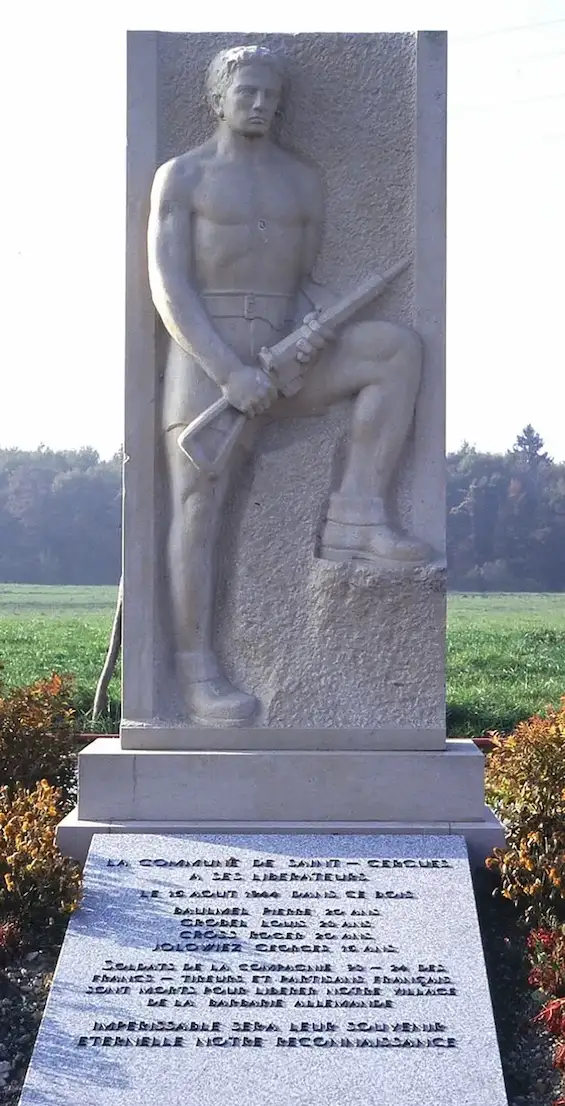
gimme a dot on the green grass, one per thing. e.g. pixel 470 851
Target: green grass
pixel 505 659
pixel 56 602
pixel 59 629
pixel 505 655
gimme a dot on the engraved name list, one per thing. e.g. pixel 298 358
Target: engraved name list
pixel 275 951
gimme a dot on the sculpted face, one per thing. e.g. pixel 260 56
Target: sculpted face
pixel 251 100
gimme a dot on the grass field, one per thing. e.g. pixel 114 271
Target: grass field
pixel 505 659
pixel 505 653
pixel 59 629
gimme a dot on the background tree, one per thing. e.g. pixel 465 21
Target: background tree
pixel 60 517
pixel 506 518
pixel 528 447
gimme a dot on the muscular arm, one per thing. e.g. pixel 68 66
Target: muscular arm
pixel 313 208
pixel 170 277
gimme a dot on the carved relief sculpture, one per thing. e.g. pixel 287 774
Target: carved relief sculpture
pixel 234 233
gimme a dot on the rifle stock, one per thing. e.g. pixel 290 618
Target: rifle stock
pixel 192 439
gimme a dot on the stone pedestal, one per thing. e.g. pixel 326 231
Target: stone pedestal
pixel 235 787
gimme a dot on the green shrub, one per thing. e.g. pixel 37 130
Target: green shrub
pixel 38 886
pixel 525 785
pixel 36 736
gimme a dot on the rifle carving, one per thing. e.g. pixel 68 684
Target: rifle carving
pixel 280 363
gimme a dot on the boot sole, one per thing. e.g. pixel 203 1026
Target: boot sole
pixel 223 723
pixel 335 553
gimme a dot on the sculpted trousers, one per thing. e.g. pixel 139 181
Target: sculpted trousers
pixel 377 362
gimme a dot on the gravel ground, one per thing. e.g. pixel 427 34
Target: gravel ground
pixel 24 986
pixel 526 1049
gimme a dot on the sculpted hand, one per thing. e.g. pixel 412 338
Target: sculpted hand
pixel 314 338
pixel 249 390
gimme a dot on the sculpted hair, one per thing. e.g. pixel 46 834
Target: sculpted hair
pixel 224 65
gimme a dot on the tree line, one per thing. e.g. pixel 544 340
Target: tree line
pixel 60 517
pixel 506 518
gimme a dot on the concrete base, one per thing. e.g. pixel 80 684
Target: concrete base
pixel 169 737
pixel 267 785
pixel 74 835
pixel 282 791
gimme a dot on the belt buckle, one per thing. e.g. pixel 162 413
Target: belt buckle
pixel 249 307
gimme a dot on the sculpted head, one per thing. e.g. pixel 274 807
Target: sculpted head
pixel 245 88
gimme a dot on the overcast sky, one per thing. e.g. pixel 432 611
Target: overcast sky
pixel 62 189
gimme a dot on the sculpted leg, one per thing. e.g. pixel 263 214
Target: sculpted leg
pixel 196 514
pixel 383 411
pixel 381 364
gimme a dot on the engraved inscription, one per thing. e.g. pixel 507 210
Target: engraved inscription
pixel 319 968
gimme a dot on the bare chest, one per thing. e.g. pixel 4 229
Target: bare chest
pixel 248 196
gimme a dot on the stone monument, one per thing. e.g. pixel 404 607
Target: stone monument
pixel 284 518
pixel 277 927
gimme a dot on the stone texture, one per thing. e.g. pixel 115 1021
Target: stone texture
pixel 321 644
pixel 119 933
pixel 339 644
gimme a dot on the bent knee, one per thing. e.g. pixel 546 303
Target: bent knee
pixel 382 341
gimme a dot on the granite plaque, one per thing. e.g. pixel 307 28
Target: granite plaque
pixel 270 970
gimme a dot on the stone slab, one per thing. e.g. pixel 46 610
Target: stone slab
pixel 139 623
pixel 277 970
pixel 164 736
pixel 74 835
pixel 273 785
pixel 321 644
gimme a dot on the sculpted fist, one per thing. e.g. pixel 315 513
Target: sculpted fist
pixel 314 338
pixel 249 390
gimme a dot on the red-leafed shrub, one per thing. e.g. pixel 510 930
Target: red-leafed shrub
pixel 10 940
pixel 525 784
pixel 36 736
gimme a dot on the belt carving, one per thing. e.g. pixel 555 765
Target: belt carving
pixel 277 310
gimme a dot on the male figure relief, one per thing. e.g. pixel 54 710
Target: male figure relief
pixel 234 232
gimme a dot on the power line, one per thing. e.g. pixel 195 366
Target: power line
pixel 501 104
pixel 506 30
pixel 517 59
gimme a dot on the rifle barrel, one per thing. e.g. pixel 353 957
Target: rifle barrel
pixel 360 296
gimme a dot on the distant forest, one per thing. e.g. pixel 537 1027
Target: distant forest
pixel 60 517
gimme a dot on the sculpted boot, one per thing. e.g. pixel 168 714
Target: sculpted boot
pixel 209 696
pixel 357 529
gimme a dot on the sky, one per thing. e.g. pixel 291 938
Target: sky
pixel 62 191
